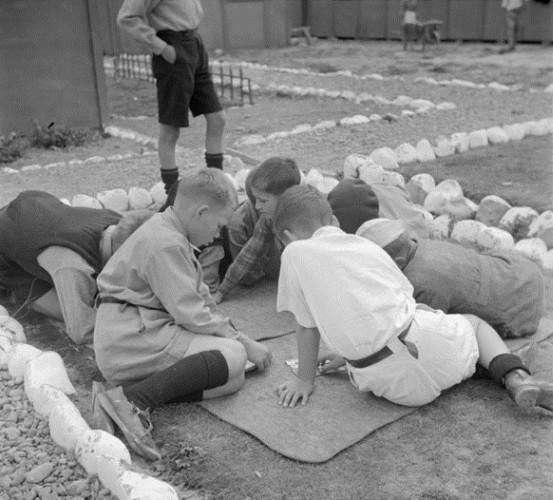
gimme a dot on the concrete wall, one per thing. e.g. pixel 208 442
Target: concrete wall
pixel 50 65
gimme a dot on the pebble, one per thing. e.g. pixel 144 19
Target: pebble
pixel 39 473
pixel 12 433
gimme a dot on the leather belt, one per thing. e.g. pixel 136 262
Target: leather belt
pixel 378 355
pixel 112 300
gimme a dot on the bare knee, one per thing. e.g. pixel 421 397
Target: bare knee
pixel 236 357
pixel 216 122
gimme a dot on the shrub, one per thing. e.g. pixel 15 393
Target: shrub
pixel 12 147
pixel 53 136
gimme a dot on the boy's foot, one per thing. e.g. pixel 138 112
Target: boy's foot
pixel 100 419
pixel 134 423
pixel 529 392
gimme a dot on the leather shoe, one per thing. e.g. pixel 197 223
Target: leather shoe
pixel 134 423
pixel 529 392
pixel 100 419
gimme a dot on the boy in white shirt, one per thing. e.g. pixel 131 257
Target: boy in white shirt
pixel 348 291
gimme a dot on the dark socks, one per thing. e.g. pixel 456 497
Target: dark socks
pixel 214 160
pixel 502 364
pixel 185 381
pixel 171 195
pixel 169 177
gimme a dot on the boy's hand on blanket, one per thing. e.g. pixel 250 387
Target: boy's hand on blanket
pixel 217 297
pixel 257 353
pixel 330 362
pixel 292 391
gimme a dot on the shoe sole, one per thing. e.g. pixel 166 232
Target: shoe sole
pixel 130 437
pixel 100 419
pixel 527 397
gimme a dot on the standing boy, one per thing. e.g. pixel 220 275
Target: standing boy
pixel 253 243
pixel 51 253
pixel 504 288
pixel 513 9
pixel 155 334
pixel 348 291
pixel 181 68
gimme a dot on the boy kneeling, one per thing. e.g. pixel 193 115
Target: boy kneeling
pixel 348 291
pixel 155 334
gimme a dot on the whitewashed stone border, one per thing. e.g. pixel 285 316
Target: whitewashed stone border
pixel 378 77
pixel 46 386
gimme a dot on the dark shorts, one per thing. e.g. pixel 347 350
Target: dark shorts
pixel 185 85
pixel 25 286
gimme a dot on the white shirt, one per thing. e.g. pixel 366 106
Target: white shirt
pixel 347 287
pixel 512 4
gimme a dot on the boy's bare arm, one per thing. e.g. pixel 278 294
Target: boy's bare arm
pixel 303 385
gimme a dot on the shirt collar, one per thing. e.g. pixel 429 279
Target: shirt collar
pixel 326 230
pixel 171 216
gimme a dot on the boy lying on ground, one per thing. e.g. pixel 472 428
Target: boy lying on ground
pixel 504 288
pixel 348 291
pixel 50 254
pixel 155 334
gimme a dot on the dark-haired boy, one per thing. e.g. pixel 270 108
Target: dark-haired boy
pixel 348 291
pixel 252 243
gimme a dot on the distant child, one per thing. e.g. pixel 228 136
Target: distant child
pixel 353 202
pixel 155 334
pixel 504 288
pixel 250 231
pixel 513 11
pixel 348 291
pixel 408 22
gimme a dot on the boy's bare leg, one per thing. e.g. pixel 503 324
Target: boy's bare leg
pixel 508 369
pixel 49 305
pixel 167 143
pixel 215 127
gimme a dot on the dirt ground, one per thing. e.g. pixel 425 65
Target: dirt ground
pixel 469 443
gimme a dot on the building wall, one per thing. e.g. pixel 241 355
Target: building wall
pixel 50 64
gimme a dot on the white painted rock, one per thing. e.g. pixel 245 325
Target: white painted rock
pixel 46 398
pixel 232 163
pixel 240 178
pixel 375 117
pixel 517 221
pixel 466 232
pixel 444 147
pixel 421 103
pixel 47 368
pixel 352 163
pixel 446 191
pixel 425 151
pixel 393 178
pixel 371 172
pixel 3 311
pixel 459 208
pixel 491 209
pixel 407 112
pixel 443 225
pixel 547 123
pixel 114 199
pixel 536 128
pixel 139 198
pixel 533 248
pixel 354 120
pixel 301 129
pixel 493 238
pixel 66 426
pixel 18 356
pixel 406 153
pixel 137 486
pixel 460 141
pixel 232 180
pixel 12 326
pixel 328 184
pixel 446 106
pixel 6 342
pixel 498 86
pixel 110 470
pixel 547 261
pixel 419 187
pixel 402 100
pixel 65 201
pixel 542 227
pixel 158 194
pixel 83 200
pixel 385 157
pixel 278 135
pixel 515 132
pixel 496 135
pixel 478 139
pixel 302 177
pixel 95 445
pixel 325 125
pixel 250 140
pixel 549 88
pixel 314 178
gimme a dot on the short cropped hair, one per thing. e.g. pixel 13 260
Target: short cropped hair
pixel 275 175
pixel 128 224
pixel 207 185
pixel 302 208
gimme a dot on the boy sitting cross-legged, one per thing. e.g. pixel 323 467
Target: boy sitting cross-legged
pixel 155 335
pixel 348 291
pixel 253 243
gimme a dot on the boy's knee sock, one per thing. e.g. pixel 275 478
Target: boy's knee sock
pixel 502 364
pixel 185 381
pixel 169 177
pixel 214 160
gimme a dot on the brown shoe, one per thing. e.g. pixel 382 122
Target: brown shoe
pixel 100 419
pixel 529 392
pixel 134 423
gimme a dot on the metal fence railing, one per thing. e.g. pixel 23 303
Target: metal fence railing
pixel 231 83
